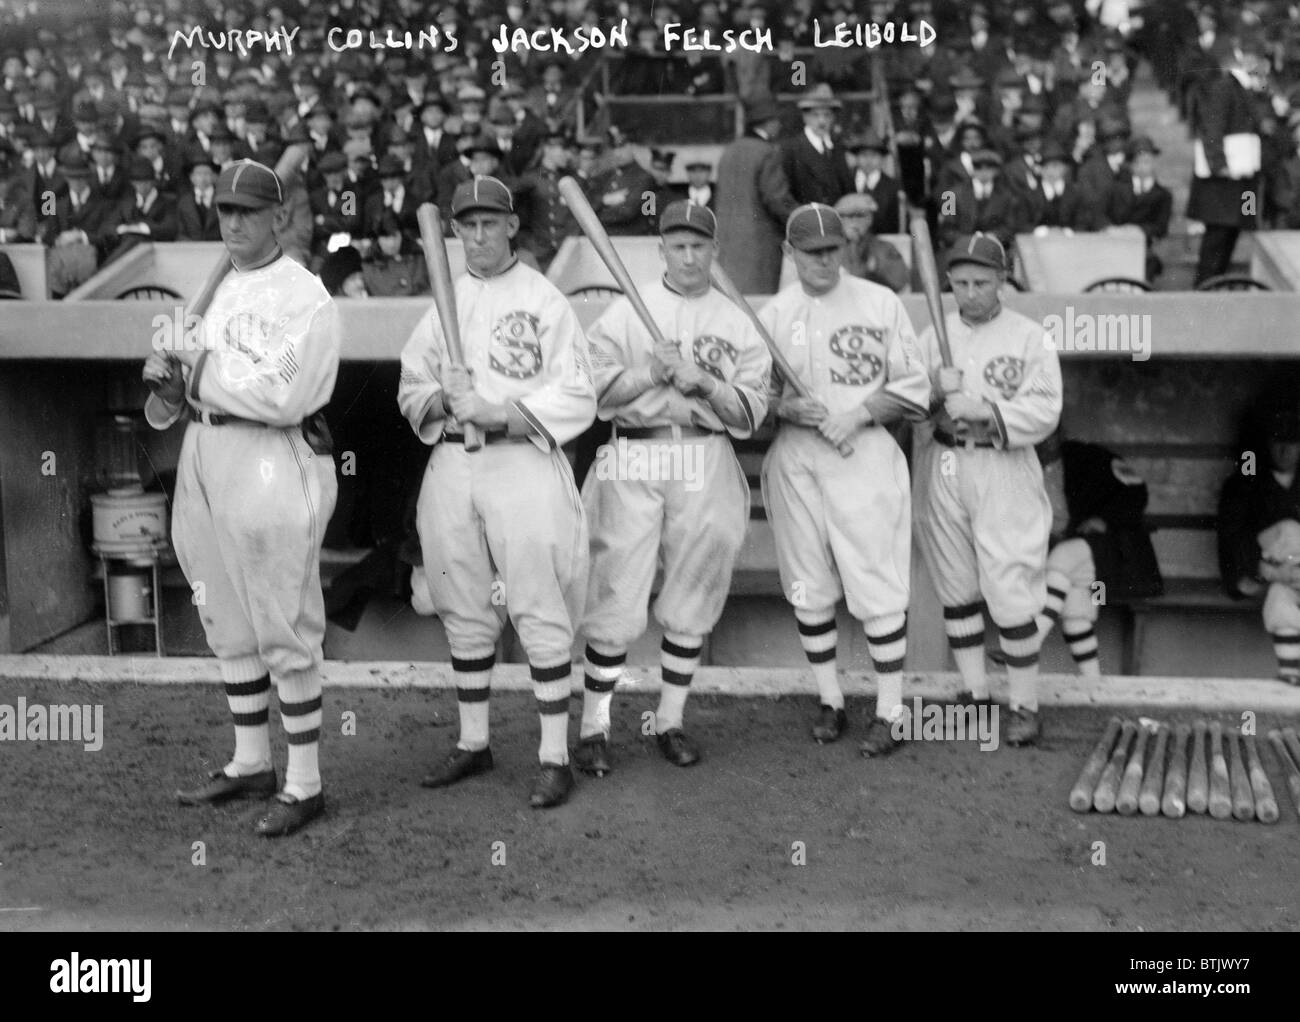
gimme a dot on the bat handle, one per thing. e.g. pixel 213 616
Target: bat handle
pixel 845 449
pixel 473 438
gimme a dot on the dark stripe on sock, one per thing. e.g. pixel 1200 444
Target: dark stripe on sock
pixel 300 709
pixel 965 610
pixel 1053 615
pixel 544 674
pixel 303 737
pixel 676 678
pixel 1026 631
pixel 1079 636
pixel 966 641
pixel 1056 592
pixel 605 659
pixel 249 688
pixel 881 640
pixel 1081 657
pixel 596 685
pixel 685 652
pixel 1028 660
pixel 820 656
pixel 1288 664
pixel 251 719
pixel 887 666
pixel 474 666
pixel 1284 639
pixel 816 629
pixel 473 695
pixel 552 707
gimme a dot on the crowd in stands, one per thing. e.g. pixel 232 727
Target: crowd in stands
pixel 1015 119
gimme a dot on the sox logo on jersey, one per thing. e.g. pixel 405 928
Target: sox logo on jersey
pixel 711 352
pixel 515 350
pixel 1005 373
pixel 861 366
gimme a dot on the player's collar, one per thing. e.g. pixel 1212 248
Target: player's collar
pixel 674 289
pixel 514 261
pixel 997 311
pixel 275 254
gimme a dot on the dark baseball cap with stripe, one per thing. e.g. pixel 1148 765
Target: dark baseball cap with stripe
pixel 683 215
pixel 981 249
pixel 482 193
pixel 814 227
pixel 249 184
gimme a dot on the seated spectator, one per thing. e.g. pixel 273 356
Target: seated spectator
pixel 144 214
pixel 699 189
pixel 867 162
pixel 1138 198
pixel 395 264
pixel 958 168
pixel 17 210
pixel 393 197
pixel 343 274
pixel 866 255
pixel 619 193
pixel 544 217
pixel 150 143
pixel 337 210
pixel 1057 202
pixel 1285 185
pixel 109 178
pixel 73 231
pixel 986 204
pixel 1259 520
pixel 454 173
pixel 196 212
pixel 553 101
pixel 1106 165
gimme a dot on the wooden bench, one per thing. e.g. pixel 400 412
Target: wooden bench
pixel 1181 596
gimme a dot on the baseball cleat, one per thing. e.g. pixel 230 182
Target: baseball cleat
pixel 677 748
pixel 967 698
pixel 880 740
pixel 1290 677
pixel 289 814
pixel 1022 728
pixel 222 788
pixel 831 723
pixel 592 755
pixel 552 786
pixel 460 764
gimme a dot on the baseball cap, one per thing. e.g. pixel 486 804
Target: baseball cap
pixel 689 216
pixel 249 184
pixel 814 227
pixel 485 193
pixel 980 248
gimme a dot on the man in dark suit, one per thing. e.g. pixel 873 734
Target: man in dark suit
pixel 336 208
pixel 435 147
pixel 1137 198
pixel 145 213
pixel 1057 201
pixel 814 165
pixel 545 219
pixel 699 189
pixel 74 231
pixel 867 161
pixel 393 197
pixel 1220 108
pixel 196 212
pixel 755 204
pixel 528 127
pixel 43 176
pixel 986 204
pixel 451 174
pixel 50 118
pixel 108 177
pixel 618 194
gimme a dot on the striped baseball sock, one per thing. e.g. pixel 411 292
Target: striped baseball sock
pixel 1081 637
pixel 473 688
pixel 679 656
pixel 551 689
pixel 1020 644
pixel 964 626
pixel 248 691
pixel 601 668
pixel 819 638
pixel 300 713
pixel 1058 585
pixel 1287 648
pixel 887 644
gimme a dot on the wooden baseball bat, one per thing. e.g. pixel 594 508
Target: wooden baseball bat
pixel 287 169
pixel 1220 797
pixel 1174 802
pixel 1081 793
pixel 1126 804
pixel 1198 782
pixel 928 270
pixel 1243 799
pixel 1265 802
pixel 1292 743
pixel 1290 767
pixel 727 286
pixel 1104 798
pixel 1153 782
pixel 444 298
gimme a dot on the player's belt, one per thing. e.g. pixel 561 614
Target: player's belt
pixel 224 419
pixel 495 436
pixel 948 440
pixel 661 432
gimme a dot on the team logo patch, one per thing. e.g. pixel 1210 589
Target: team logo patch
pixel 515 351
pixel 248 353
pixel 714 355
pixel 1005 374
pixel 853 344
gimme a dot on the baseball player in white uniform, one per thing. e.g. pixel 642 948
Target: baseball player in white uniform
pixel 667 489
pixel 982 514
pixel 502 529
pixel 843 524
pixel 255 487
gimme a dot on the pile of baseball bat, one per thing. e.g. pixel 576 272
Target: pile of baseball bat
pixel 1187 769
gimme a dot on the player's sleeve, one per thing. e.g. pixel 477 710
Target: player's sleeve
pixel 927 349
pixel 1035 409
pixel 160 414
pixel 565 403
pixel 906 393
pixel 419 390
pixel 297 383
pixel 770 317
pixel 751 380
pixel 617 382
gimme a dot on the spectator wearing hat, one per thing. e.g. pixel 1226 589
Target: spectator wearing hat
pixel 8 119
pixel 866 255
pixel 108 177
pixel 1106 163
pixel 321 134
pixel 49 117
pixel 815 165
pixel 970 94
pixel 395 197
pixel 985 204
pixel 1024 163
pixel 435 146
pixel 257 138
pixel 337 206
pixel 588 151
pixel 1089 103
pixel 17 208
pixel 1285 184
pixel 224 147
pixel 205 117
pixel 867 162
pixel 74 230
pixel 1138 198
pixel 514 161
pixel 528 127
pixel 45 181
pixel 150 143
pixel 661 169
pixel 454 173
pixel 394 265
pixel 145 213
pixel 983 50
pixel 553 101
pixel 1226 158
pixel 85 117
pixel 1055 201
pixel 619 193
pixel 545 218
pixel 958 166
pixel 699 189
pixel 471 106
pixel 196 210
pixel 753 208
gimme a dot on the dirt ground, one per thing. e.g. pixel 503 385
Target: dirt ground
pixel 938 836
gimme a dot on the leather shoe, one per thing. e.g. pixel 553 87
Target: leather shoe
pixel 289 814
pixel 460 764
pixel 677 748
pixel 222 788
pixel 967 698
pixel 880 740
pixel 592 755
pixel 831 723
pixel 552 786
pixel 1022 727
